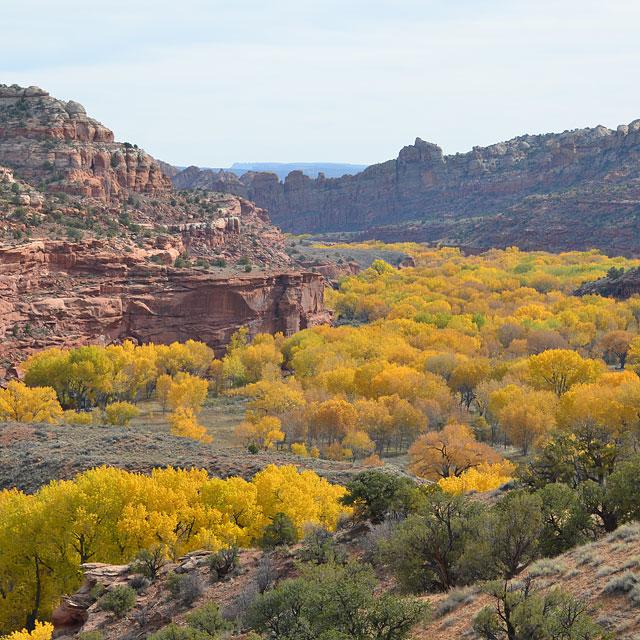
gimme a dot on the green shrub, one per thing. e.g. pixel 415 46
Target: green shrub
pixel 149 561
pixel 319 547
pixel 89 635
pixel 222 562
pixel 207 619
pixel 97 591
pixel 623 583
pixel 186 588
pixel 119 599
pixel 281 531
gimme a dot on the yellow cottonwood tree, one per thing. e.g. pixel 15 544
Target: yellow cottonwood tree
pixel 184 423
pixel 559 369
pixel 450 452
pixel 23 404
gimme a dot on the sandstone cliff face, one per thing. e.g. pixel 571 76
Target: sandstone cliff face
pixel 55 142
pixel 69 294
pixel 571 176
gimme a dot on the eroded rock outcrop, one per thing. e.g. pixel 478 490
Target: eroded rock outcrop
pixel 620 286
pixel 554 191
pixel 55 142
pixel 66 294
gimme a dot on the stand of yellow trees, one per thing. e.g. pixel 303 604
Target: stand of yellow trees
pixel 108 515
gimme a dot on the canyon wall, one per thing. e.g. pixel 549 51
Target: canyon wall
pixel 554 191
pixel 66 294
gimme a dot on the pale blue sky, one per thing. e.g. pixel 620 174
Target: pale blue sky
pixel 210 82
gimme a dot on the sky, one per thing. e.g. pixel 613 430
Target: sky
pixel 210 83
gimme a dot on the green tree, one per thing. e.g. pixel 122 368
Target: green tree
pixel 515 524
pixel 373 493
pixel 521 613
pixel 428 549
pixel 565 523
pixel 281 531
pixel 332 601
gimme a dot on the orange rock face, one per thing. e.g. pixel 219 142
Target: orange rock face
pixel 70 294
pixel 56 142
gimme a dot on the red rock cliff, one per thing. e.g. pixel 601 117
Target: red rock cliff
pixel 56 142
pixel 87 292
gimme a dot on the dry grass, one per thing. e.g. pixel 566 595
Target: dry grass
pixel 219 415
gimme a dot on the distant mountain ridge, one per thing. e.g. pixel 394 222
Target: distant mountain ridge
pixel 573 190
pixel 283 169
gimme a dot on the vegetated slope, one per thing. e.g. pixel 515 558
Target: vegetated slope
pixel 89 227
pixel 583 572
pixel 31 455
pixel 573 190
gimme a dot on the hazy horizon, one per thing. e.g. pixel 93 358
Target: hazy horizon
pixel 210 84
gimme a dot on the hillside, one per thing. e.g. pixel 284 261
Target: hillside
pixel 584 572
pixel 91 231
pixel 573 190
pixel 32 455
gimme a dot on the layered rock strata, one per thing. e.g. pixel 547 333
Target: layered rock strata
pixel 65 294
pixel 54 142
pixel 524 191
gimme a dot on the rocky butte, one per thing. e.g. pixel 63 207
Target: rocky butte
pixel 97 247
pixel 572 190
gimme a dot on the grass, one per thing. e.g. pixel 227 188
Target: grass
pixel 219 415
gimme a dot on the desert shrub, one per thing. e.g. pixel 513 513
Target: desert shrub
pixel 546 567
pixel 281 532
pixel 222 562
pixel 139 583
pixel 119 599
pixel 267 573
pixel 89 635
pixel 186 588
pixel 97 591
pixel 623 583
pixel 173 632
pixel 319 547
pixel 207 619
pixel 455 599
pixel 149 561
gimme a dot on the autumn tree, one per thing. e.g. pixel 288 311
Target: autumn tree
pixel 527 416
pixel 264 432
pixel 184 423
pixel 450 452
pixel 616 344
pixel 22 404
pixel 120 413
pixel 466 377
pixel 559 369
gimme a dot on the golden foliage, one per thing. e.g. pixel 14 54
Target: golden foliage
pixel 22 404
pixel 184 423
pixel 450 452
pixel 41 631
pixel 108 515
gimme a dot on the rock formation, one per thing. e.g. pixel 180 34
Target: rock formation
pixel 56 143
pixel 88 292
pixel 620 286
pixel 554 191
